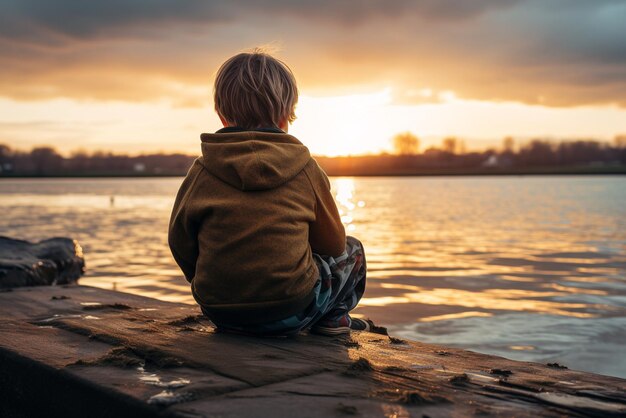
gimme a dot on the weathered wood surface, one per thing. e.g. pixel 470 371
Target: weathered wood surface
pixel 82 351
pixel 51 261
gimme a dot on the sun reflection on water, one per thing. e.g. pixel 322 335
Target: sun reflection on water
pixel 344 196
pixel 489 299
pixel 447 317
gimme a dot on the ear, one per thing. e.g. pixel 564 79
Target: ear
pixel 284 124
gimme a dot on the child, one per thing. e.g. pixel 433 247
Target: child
pixel 254 227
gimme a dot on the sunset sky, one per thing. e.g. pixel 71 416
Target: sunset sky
pixel 136 75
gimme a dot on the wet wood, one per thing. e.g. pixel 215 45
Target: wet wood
pixel 83 351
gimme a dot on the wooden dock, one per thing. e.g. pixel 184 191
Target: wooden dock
pixel 86 352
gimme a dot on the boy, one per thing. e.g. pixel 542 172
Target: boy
pixel 254 227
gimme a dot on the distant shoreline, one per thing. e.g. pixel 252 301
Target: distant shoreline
pixel 439 172
pixel 539 157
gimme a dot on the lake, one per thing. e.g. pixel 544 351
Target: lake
pixel 529 267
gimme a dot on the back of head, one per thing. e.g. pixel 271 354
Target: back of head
pixel 254 90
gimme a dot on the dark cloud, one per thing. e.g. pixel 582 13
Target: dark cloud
pixel 572 31
pixel 557 52
pixel 77 18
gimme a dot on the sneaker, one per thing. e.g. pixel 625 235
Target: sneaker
pixel 359 324
pixel 330 331
pixel 342 329
pixel 332 328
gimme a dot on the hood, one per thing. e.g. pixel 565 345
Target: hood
pixel 253 160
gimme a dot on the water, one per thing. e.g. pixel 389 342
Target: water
pixel 531 268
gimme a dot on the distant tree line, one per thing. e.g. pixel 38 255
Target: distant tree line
pixel 46 161
pixel 452 157
pixel 535 156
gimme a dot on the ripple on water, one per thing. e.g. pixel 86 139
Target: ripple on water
pixel 544 338
pixel 497 253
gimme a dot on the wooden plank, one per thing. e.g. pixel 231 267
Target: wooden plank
pixel 156 358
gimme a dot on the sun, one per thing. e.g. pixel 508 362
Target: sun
pixel 343 125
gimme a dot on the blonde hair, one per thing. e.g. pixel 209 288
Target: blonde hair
pixel 254 90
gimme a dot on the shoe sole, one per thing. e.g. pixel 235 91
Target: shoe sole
pixel 330 331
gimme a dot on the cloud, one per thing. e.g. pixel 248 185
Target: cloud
pixel 74 18
pixel 560 53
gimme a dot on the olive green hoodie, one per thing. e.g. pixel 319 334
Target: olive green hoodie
pixel 246 220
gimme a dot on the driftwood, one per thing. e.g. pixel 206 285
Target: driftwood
pixel 52 261
pixel 82 351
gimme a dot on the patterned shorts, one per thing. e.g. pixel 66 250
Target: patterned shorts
pixel 338 289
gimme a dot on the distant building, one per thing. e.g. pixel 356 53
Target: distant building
pixel 139 167
pixel 497 161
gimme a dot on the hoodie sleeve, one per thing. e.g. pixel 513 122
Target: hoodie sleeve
pixel 183 229
pixel 327 235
